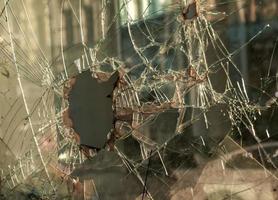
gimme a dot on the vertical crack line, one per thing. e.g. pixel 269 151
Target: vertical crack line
pixel 103 13
pixel 163 164
pixel 271 58
pixel 24 99
pixel 80 23
pixel 61 41
pixel 145 189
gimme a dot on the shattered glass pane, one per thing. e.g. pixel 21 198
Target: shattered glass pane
pixel 138 99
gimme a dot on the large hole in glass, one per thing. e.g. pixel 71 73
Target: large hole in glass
pixel 90 109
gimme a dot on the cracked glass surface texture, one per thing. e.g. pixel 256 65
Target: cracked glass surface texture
pixel 193 112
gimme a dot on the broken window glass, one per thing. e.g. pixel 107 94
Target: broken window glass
pixel 127 99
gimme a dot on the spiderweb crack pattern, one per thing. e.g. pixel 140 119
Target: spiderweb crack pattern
pixel 185 117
